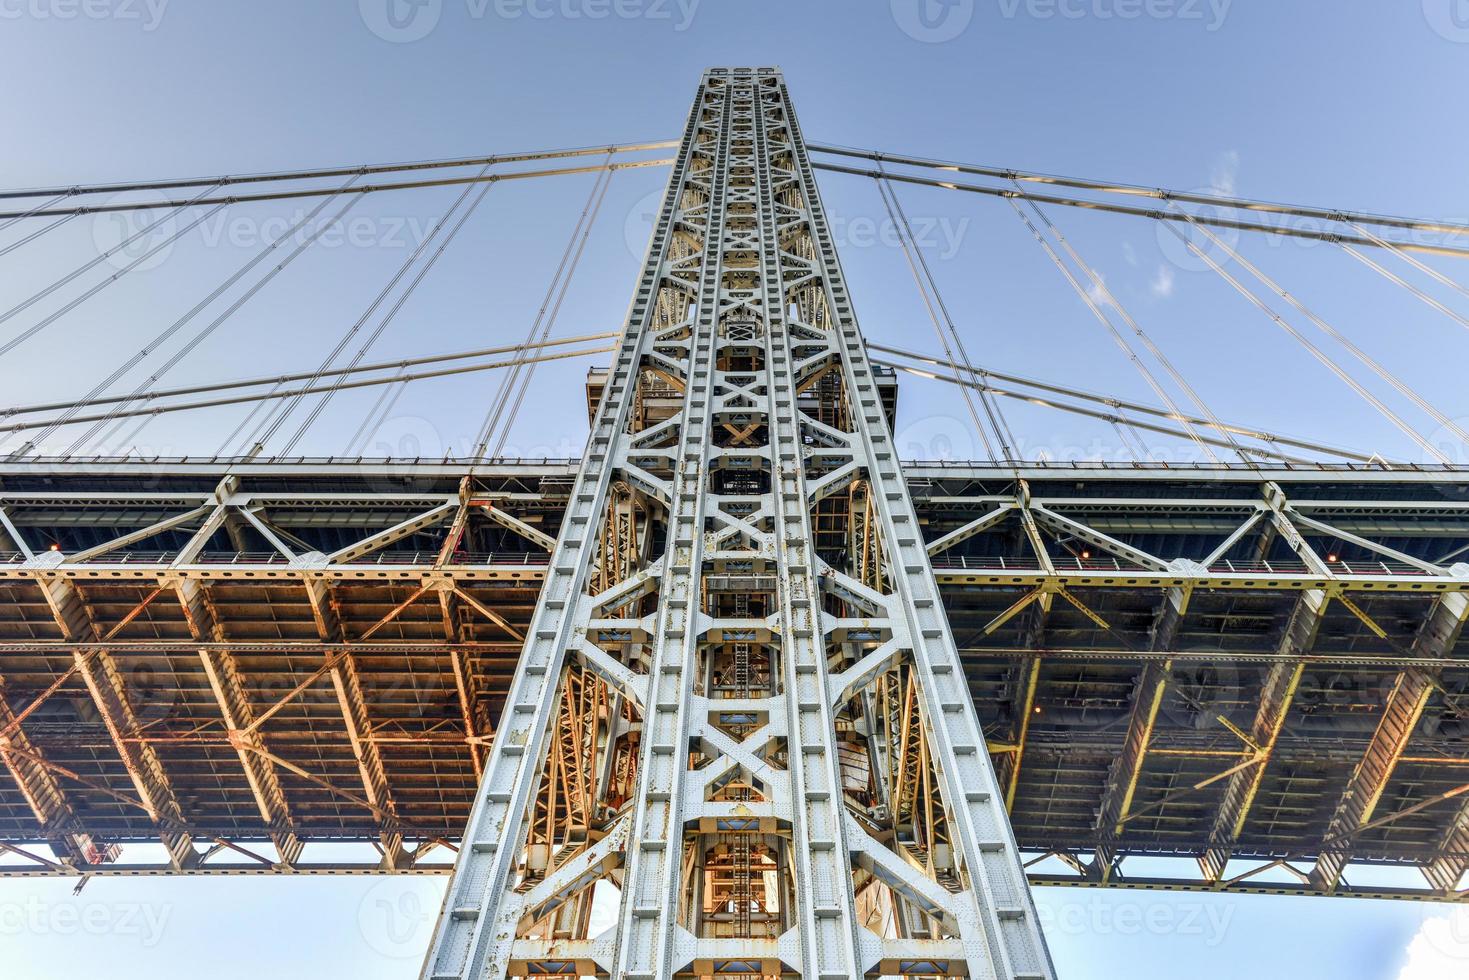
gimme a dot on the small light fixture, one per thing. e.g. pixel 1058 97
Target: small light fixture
pixel 55 546
pixel 1333 557
pixel 1037 709
pixel 1086 553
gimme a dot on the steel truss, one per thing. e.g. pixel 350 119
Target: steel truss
pixel 742 783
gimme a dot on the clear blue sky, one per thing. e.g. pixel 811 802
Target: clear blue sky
pixel 1352 104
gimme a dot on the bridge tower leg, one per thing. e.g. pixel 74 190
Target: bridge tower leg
pixel 739 742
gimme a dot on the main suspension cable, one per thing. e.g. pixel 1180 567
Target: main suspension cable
pixel 92 396
pixel 1155 214
pixel 1106 416
pixel 45 322
pixel 307 390
pixel 322 173
pixel 1158 193
pixel 1224 429
pixel 86 267
pixel 361 189
pixel 258 382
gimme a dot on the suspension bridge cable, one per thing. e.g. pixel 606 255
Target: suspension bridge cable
pixel 92 396
pixel 257 382
pixel 1398 385
pixel 39 232
pixel 374 419
pixel 322 173
pixel 1399 280
pixel 360 189
pixel 1153 213
pixel 555 312
pixel 1106 416
pixel 39 207
pixel 938 330
pixel 308 390
pixel 1224 429
pixel 45 322
pixel 403 298
pixel 1162 194
pixel 193 343
pixel 1421 266
pixel 910 247
pixel 1315 351
pixel 86 267
pixel 1111 328
pixel 288 408
pixel 254 410
pixel 1132 324
pixel 493 414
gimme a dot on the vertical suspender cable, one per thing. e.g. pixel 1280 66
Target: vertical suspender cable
pixel 86 267
pixel 1116 334
pixel 491 423
pixel 1008 445
pixel 1132 324
pixel 1398 385
pixel 147 384
pixel 938 330
pixel 383 324
pixel 1320 355
pixel 552 316
pixel 31 331
pixel 290 406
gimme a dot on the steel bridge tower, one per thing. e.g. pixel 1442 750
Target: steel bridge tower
pixel 739 741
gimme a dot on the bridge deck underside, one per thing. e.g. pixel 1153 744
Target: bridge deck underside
pixel 432 632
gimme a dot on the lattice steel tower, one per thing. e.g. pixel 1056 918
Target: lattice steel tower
pixel 739 722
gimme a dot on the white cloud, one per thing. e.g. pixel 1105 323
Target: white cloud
pixel 1224 174
pixel 1440 950
pixel 1162 284
pixel 1130 254
pixel 1096 291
